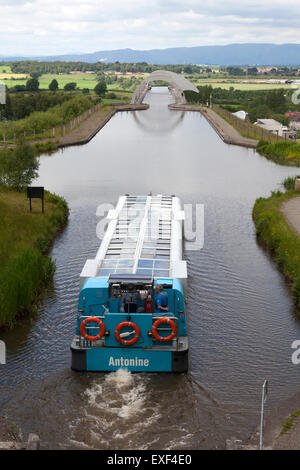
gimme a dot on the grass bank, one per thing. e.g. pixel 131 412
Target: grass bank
pixel 39 121
pixel 283 153
pixel 25 239
pixel 289 422
pixel 273 230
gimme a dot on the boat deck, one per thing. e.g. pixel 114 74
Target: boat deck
pixel 144 237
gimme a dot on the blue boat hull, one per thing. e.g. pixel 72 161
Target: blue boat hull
pixel 134 360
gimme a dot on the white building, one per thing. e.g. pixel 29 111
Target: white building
pixel 241 115
pixel 270 125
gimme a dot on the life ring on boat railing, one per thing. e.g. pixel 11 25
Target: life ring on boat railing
pixel 126 324
pixel 92 320
pixel 160 321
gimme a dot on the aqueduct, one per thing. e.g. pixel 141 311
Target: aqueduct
pixel 177 83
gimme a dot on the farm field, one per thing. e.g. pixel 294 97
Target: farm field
pixel 83 80
pixel 90 80
pixel 242 86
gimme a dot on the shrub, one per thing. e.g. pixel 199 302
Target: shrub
pixel 24 276
pixel 25 271
pixel 32 84
pixel 289 182
pixel 287 153
pixel 18 167
pixel 70 86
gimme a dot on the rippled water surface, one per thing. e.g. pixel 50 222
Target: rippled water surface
pixel 241 319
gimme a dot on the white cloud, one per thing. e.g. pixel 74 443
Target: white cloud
pixel 41 27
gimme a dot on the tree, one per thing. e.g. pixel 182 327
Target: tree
pixel 18 167
pixel 32 84
pixel 188 69
pixel 18 88
pixel 53 85
pixel 36 74
pixel 70 86
pixel 100 88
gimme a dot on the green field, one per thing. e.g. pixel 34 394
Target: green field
pixel 83 81
pixel 243 86
pixel 5 69
pixel 90 80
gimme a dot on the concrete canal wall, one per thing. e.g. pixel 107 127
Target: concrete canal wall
pixel 228 134
pixel 83 134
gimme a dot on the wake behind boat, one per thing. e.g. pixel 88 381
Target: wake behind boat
pixel 131 311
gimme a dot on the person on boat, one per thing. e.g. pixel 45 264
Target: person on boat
pixel 161 301
pixel 130 302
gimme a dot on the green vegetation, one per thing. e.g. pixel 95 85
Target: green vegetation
pixel 71 86
pixel 32 67
pixel 289 422
pixel 284 153
pixel 53 86
pixel 32 84
pixel 46 147
pixel 238 85
pixel 273 230
pixel 271 104
pixel 24 239
pixel 20 105
pixel 18 166
pixel 5 69
pixel 39 121
pixel 100 88
pixel 245 128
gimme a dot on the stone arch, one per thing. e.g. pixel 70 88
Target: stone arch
pixel 178 83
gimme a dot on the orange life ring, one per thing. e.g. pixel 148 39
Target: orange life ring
pixel 126 324
pixel 164 339
pixel 92 320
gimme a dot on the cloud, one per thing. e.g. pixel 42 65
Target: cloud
pixel 45 27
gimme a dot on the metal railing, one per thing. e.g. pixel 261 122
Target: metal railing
pixel 9 136
pixel 247 128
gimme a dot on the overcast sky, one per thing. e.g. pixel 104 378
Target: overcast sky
pixel 43 27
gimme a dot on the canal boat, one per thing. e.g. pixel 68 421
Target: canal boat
pixel 131 311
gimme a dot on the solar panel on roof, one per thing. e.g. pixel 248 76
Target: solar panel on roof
pixel 148 246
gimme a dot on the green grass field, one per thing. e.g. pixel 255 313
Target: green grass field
pixel 90 80
pixel 242 86
pixel 83 81
pixel 5 69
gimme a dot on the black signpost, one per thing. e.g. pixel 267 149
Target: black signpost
pixel 35 192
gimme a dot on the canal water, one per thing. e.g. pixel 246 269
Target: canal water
pixel 241 318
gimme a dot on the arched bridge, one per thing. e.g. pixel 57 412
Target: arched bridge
pixel 177 83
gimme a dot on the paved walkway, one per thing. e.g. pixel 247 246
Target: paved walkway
pixel 291 211
pixel 88 128
pixel 277 417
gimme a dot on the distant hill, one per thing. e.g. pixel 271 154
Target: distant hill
pixel 232 54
